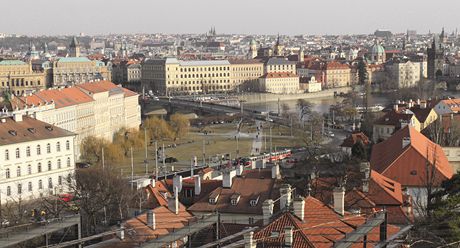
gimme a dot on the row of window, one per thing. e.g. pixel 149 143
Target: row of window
pixel 38 149
pixel 30 186
pixel 204 69
pixel 19 82
pixel 39 168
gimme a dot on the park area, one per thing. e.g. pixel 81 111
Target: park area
pixel 219 139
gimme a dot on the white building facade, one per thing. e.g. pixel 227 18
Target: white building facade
pixel 36 158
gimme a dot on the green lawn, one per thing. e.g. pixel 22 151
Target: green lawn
pixel 220 140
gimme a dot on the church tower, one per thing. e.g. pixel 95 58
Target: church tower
pixel 74 48
pixel 252 49
pixel 301 55
pixel 278 49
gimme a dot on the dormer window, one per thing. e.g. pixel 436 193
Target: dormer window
pixel 253 202
pixel 234 199
pixel 49 128
pixel 13 132
pixel 213 197
pixel 31 129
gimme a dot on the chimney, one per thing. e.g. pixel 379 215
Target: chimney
pixel 395 107
pixel 173 202
pixel 227 179
pixel 151 222
pixel 177 182
pixel 299 208
pixel 418 101
pixel 121 233
pixel 276 171
pixel 285 198
pixel 267 210
pixel 423 105
pixel 339 197
pixel 249 241
pixel 405 142
pixel 288 236
pixel 239 170
pixel 197 180
pixel 365 168
pixel 17 117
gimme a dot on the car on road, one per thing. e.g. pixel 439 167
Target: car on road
pixel 171 160
pixel 83 165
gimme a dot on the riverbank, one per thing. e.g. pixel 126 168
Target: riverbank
pixel 267 97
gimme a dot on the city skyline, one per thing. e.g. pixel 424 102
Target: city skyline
pixel 334 17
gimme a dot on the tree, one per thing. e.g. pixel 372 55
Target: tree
pixel 180 125
pixel 305 108
pixel 91 150
pixel 100 194
pixel 128 138
pixel 158 129
pixel 359 151
pixel 285 110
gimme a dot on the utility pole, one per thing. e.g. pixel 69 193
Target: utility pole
pixel 103 160
pixel 156 160
pixel 204 151
pixel 271 144
pixel 132 169
pixel 146 152
pixel 164 161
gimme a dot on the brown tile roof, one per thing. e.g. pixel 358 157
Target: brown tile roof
pixel 321 227
pixel 393 118
pixel 252 185
pixel 29 129
pixel 278 75
pixel 407 165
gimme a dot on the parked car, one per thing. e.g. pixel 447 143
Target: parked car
pixel 83 165
pixel 171 160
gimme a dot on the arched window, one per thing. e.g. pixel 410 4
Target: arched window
pixel 48 148
pixel 39 150
pixel 30 186
pixel 8 191
pixel 40 184
pixel 7 154
pixel 28 151
pixel 18 171
pixel 50 183
pixel 39 167
pixel 7 173
pixel 19 189
pixel 59 163
pixel 68 162
pixel 67 145
pixel 18 153
pixel 49 166
pixel 58 146
pixel 29 169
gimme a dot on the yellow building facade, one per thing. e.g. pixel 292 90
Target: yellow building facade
pixel 76 70
pixel 18 77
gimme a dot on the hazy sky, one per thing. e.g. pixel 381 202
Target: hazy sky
pixel 228 16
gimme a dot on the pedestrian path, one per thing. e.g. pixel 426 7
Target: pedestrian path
pixel 257 139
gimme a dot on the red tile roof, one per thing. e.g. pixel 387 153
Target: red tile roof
pixel 407 165
pixel 321 227
pixel 454 104
pixel 278 75
pixel 61 97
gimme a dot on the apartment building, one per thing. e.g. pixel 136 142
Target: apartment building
pixel 172 76
pixel 36 158
pixel 76 70
pixel 95 108
pixel 279 83
pixel 244 73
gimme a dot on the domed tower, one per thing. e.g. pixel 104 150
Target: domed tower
pixel 252 49
pixel 74 48
pixel 377 53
